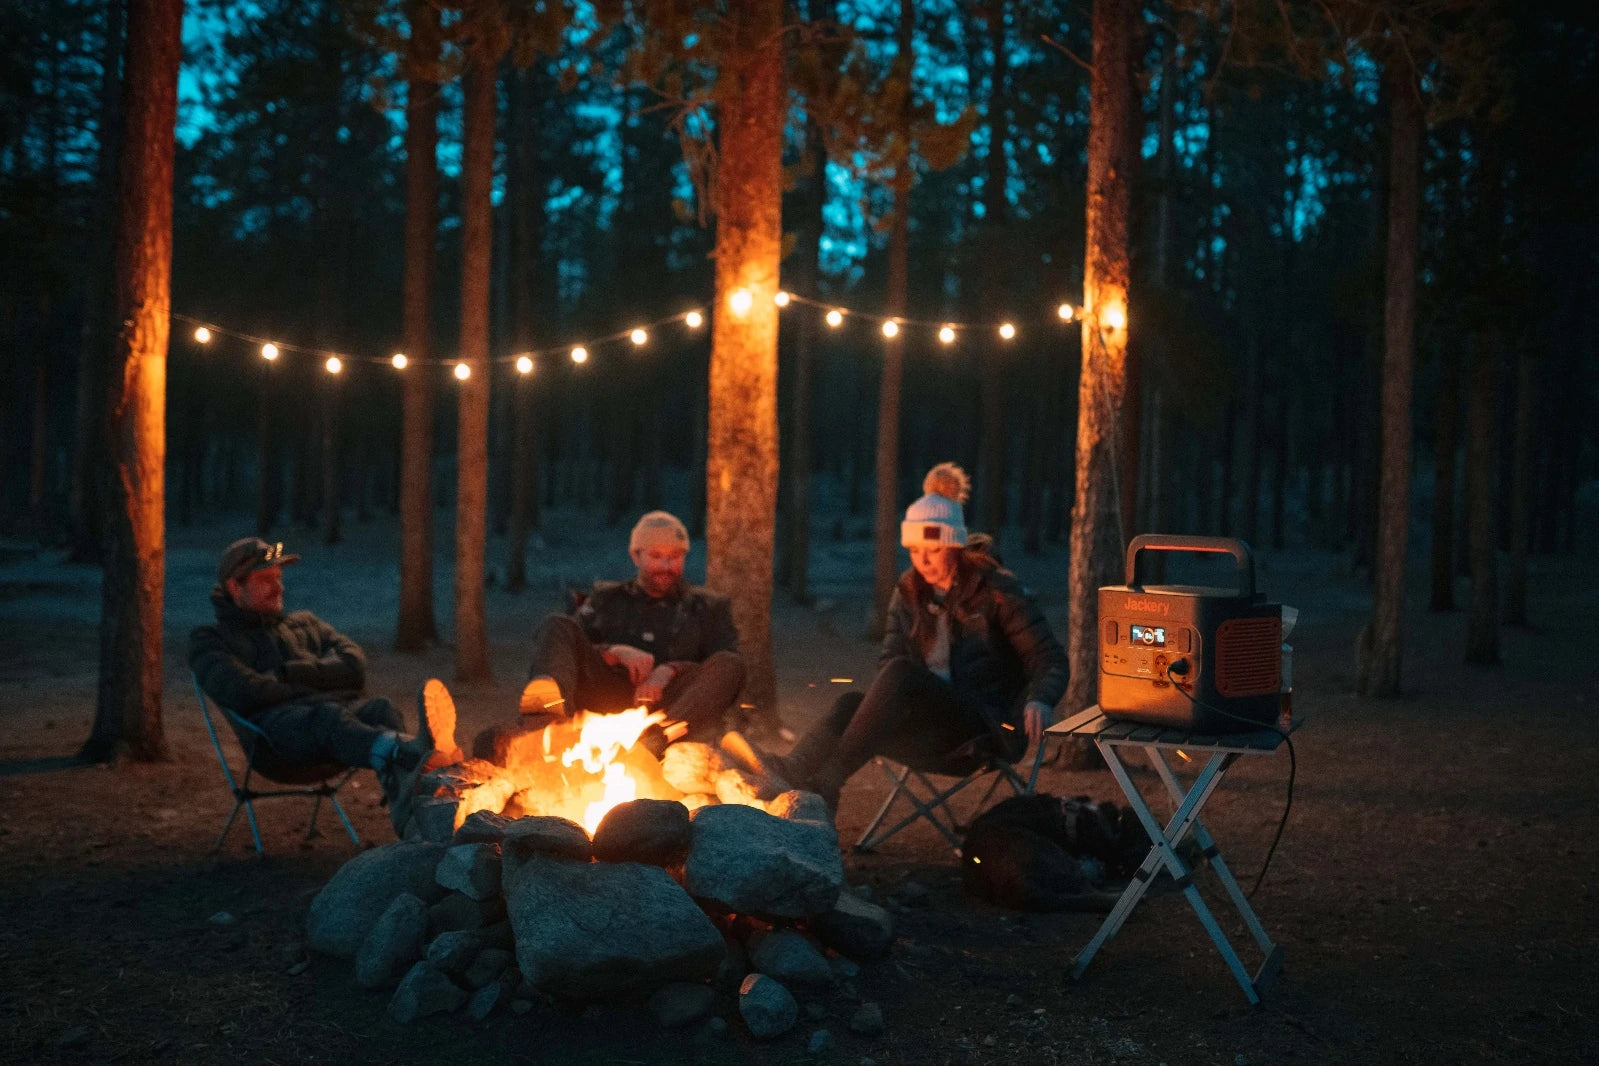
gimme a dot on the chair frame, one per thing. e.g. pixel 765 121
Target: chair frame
pixel 931 802
pixel 245 796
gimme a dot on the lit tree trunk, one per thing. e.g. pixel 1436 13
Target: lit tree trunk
pixel 1521 488
pixel 1445 439
pixel 808 277
pixel 886 524
pixel 128 705
pixel 1482 460
pixel 472 448
pixel 417 628
pixel 1096 544
pixel 741 454
pixel 1382 642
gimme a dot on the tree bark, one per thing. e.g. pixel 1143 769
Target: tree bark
pixel 1096 542
pixel 472 444
pixel 527 216
pixel 1445 441
pixel 991 449
pixel 1482 459
pixel 741 454
pixel 128 705
pixel 1382 642
pixel 1521 487
pixel 807 281
pixel 416 625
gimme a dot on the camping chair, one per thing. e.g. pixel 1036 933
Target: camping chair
pixel 318 780
pixel 969 764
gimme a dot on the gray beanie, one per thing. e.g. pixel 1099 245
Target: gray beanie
pixel 935 520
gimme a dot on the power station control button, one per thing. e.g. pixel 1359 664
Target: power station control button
pixel 1110 632
pixel 1185 640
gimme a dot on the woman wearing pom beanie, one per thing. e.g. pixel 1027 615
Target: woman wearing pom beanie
pixel 968 656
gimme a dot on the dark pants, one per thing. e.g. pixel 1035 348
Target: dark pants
pixel 305 734
pixel 699 694
pixel 908 713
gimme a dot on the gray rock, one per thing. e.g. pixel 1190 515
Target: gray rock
pixel 423 991
pixel 222 918
pixel 735 964
pixel 471 869
pixel 844 969
pixel 680 1003
pixel 483 827
pixel 363 888
pixel 453 952
pixel 595 928
pixel 789 957
pixel 460 911
pixel 913 894
pixel 712 1031
pixel 547 836
pixel 821 1041
pixel 393 943
pixel 815 1011
pixel 488 966
pixel 752 863
pixel 650 831
pixel 867 1020
pixel 433 817
pixel 855 927
pixel 486 1000
pixel 766 1006
pixel 798 806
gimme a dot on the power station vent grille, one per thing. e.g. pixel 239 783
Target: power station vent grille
pixel 1249 657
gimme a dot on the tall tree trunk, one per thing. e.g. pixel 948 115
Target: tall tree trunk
pixel 269 473
pixel 1482 459
pixel 1521 487
pixel 472 443
pixel 741 455
pixel 991 449
pixel 807 281
pixel 1445 440
pixel 527 213
pixel 1382 642
pixel 39 446
pixel 885 560
pixel 332 531
pixel 416 625
pixel 1096 542
pixel 128 705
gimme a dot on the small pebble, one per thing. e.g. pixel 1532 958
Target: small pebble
pixel 821 1040
pixel 868 1020
pixel 1013 1000
pixel 73 1037
pixel 1240 1060
pixel 815 1011
pixel 222 918
pixel 300 967
pixel 521 1006
pixel 990 1040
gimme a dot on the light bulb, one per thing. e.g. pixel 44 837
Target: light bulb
pixel 580 354
pixel 1065 311
pixel 740 302
pixel 399 360
pixel 693 320
pixel 947 335
pixel 891 328
pixel 462 371
pixel 639 336
pixel 524 365
pixel 269 351
pixel 202 335
pixel 334 364
pixel 835 318
pixel 781 299
pixel 1007 331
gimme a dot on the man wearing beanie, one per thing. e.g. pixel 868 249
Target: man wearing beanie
pixel 301 682
pixel 653 639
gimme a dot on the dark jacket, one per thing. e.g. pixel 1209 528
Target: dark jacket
pixel 1001 650
pixel 688 625
pixel 248 662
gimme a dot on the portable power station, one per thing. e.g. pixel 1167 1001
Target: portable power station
pixel 1188 656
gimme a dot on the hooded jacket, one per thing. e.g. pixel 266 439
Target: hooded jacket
pixel 1002 653
pixel 250 661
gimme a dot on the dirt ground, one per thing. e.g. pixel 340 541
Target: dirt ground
pixel 1434 893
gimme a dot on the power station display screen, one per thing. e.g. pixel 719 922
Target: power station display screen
pixel 1150 636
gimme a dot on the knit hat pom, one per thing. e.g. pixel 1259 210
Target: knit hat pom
pixel 947 479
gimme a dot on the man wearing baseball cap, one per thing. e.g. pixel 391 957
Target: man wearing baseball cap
pixel 653 639
pixel 301 682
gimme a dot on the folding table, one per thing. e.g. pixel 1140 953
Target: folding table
pixel 1111 735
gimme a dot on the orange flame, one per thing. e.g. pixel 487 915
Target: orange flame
pixel 602 739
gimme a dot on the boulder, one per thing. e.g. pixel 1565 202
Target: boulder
pixel 867 1020
pixel 547 836
pixel 651 831
pixel 483 827
pixel 587 929
pixel 752 863
pixel 434 818
pixel 453 952
pixel 460 911
pixel 680 1003
pixel 690 767
pixel 363 888
pixel 456 778
pixel 488 966
pixel 485 1001
pixel 393 943
pixel 423 991
pixel 799 806
pixel 855 927
pixel 471 869
pixel 766 1006
pixel 789 957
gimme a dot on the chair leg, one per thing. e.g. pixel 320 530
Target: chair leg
pixel 866 842
pixel 348 828
pixel 237 803
pixel 255 830
pixel 311 831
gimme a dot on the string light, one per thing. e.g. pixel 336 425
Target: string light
pixel 947 334
pixel 202 335
pixel 462 371
pixel 334 364
pixel 1007 331
pixel 740 302
pixel 269 351
pixel 835 318
pixel 693 320
pixel 781 299
pixel 639 336
pixel 1066 311
pixel 580 354
pixel 891 329
pixel 399 360
pixel 524 365
pixel 1115 317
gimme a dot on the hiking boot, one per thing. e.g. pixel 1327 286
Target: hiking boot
pixel 398 776
pixel 435 727
pixel 754 760
pixel 542 695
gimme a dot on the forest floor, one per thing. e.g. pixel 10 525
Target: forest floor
pixel 1434 893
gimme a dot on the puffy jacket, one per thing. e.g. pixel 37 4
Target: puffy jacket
pixel 249 661
pixel 688 625
pixel 1001 650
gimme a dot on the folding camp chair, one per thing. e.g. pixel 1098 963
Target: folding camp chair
pixel 969 764
pixel 324 779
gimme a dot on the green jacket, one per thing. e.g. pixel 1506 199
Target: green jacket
pixel 688 625
pixel 248 662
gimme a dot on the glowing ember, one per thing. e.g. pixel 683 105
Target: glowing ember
pixel 602 739
pixel 619 788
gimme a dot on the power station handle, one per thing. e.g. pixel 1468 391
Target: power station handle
pixel 1240 551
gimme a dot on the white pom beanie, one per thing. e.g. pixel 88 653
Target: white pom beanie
pixel 934 521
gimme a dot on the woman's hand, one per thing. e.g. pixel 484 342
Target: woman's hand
pixel 1035 716
pixel 649 690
